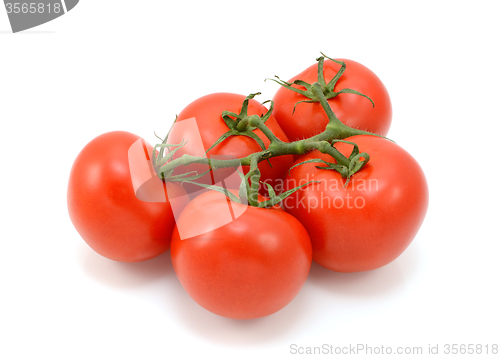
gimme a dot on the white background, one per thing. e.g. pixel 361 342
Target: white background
pixel 132 65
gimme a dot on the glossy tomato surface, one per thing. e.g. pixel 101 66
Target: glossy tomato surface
pixel 105 208
pixel 208 126
pixel 353 110
pixel 238 261
pixel 371 221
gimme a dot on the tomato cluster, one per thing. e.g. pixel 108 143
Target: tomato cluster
pixel 247 196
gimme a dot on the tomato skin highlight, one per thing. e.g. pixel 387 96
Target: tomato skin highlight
pixel 373 220
pixel 208 113
pixel 104 208
pixel 353 110
pixel 248 268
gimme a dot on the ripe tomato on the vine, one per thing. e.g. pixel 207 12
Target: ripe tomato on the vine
pixel 239 261
pixel 210 126
pixel 354 110
pixel 113 218
pixel 371 221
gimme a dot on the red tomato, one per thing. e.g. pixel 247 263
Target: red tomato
pixel 105 209
pixel 370 222
pixel 210 126
pixel 353 110
pixel 242 262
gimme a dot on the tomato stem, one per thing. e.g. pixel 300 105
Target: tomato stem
pixel 244 124
pixel 334 131
pixel 253 195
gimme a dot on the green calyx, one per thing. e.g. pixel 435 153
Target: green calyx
pixel 327 89
pixel 240 124
pixel 347 167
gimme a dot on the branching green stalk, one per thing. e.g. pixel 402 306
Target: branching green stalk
pixel 335 129
pixel 245 125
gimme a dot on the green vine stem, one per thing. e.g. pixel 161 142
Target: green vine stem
pixel 335 130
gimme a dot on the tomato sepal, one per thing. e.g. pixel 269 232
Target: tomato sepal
pixel 240 125
pixel 355 162
pixel 326 88
pixel 276 199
